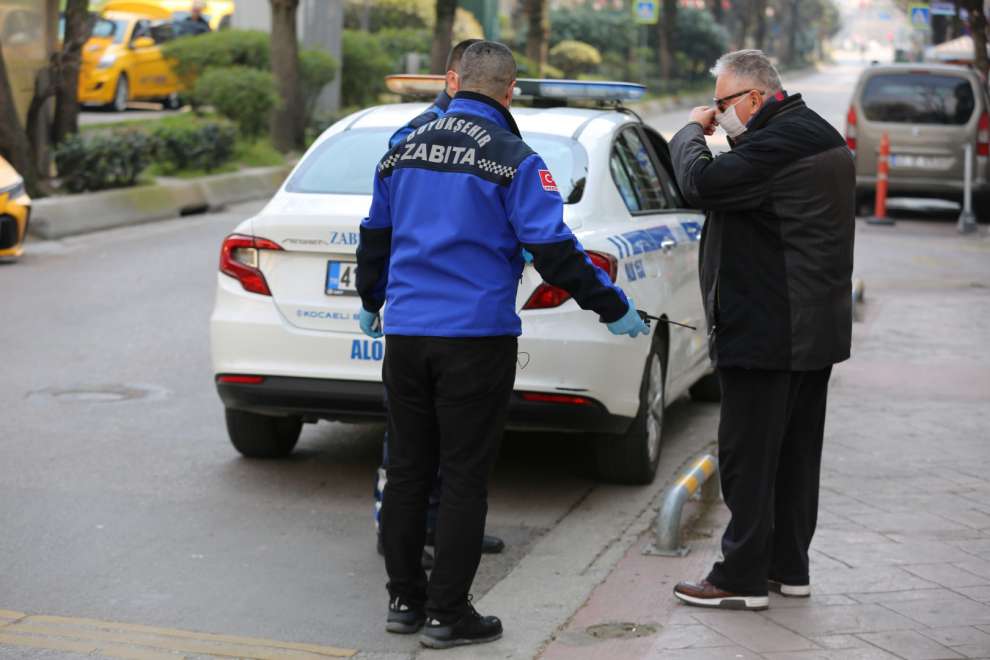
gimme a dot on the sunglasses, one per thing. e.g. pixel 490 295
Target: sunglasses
pixel 720 103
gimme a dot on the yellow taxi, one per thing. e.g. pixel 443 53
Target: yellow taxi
pixel 218 13
pixel 123 61
pixel 15 211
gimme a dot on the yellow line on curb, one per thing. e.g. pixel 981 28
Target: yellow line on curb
pixel 38 630
pixel 112 651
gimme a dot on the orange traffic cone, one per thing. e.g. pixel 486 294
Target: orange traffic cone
pixel 883 172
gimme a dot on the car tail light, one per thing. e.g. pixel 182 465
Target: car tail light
pixel 241 380
pixel 983 136
pixel 567 399
pixel 851 129
pixel 548 297
pixel 239 259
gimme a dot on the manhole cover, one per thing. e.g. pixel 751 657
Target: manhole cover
pixel 620 630
pixel 99 393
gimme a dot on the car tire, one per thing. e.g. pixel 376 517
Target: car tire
pixel 707 389
pixel 262 436
pixel 632 458
pixel 172 101
pixel 121 94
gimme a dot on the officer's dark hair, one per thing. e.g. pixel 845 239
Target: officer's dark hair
pixel 487 67
pixel 457 52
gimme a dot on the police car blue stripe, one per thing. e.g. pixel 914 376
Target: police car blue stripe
pixel 618 245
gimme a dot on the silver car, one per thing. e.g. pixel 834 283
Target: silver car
pixel 930 112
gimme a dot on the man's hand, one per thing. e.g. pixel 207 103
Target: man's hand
pixel 704 116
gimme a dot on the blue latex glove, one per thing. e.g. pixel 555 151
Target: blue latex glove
pixel 630 324
pixel 371 323
pixel 527 256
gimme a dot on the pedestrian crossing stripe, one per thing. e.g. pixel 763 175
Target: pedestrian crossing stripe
pixel 141 642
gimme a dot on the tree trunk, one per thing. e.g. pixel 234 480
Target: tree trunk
pixel 978 28
pixel 715 7
pixel 665 37
pixel 288 129
pixel 442 34
pixel 78 26
pixel 14 144
pixel 793 24
pixel 759 14
pixel 538 34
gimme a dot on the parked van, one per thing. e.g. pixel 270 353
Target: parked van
pixel 930 112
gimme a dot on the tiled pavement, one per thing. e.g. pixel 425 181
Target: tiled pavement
pixel 901 561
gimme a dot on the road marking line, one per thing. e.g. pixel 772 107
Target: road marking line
pixel 112 650
pixel 45 629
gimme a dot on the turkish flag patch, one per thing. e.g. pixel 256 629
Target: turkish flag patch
pixel 546 180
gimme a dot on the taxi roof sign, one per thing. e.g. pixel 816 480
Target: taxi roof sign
pixel 603 91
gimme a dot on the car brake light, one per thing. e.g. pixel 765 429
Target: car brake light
pixel 239 258
pixel 983 136
pixel 241 380
pixel 851 129
pixel 568 399
pixel 548 297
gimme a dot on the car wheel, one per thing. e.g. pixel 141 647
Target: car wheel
pixel 121 94
pixel 707 389
pixel 262 436
pixel 172 101
pixel 632 458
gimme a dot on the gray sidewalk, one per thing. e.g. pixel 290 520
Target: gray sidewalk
pixel 901 561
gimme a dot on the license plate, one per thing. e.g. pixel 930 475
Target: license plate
pixel 905 161
pixel 340 278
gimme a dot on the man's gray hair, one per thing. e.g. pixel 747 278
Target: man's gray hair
pixel 751 66
pixel 487 67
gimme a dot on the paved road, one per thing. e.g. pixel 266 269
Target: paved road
pixel 136 112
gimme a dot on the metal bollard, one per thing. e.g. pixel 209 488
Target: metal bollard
pixel 667 526
pixel 967 220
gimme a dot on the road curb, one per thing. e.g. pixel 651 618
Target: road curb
pixel 69 215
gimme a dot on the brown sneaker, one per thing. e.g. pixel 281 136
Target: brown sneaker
pixel 706 594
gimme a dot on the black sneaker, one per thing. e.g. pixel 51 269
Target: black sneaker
pixel 427 557
pixel 472 628
pixel 404 617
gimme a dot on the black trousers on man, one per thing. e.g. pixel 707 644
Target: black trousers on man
pixel 769 456
pixel 447 403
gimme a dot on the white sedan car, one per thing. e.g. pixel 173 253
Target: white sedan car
pixel 285 341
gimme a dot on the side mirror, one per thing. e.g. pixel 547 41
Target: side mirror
pixel 142 42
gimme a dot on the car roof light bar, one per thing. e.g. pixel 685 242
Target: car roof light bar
pixel 546 89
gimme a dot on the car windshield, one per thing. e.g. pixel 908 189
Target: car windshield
pixel 345 164
pixel 919 98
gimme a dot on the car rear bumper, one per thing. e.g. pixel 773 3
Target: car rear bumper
pixel 949 189
pixel 364 401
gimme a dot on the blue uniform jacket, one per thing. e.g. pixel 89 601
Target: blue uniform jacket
pixel 453 205
pixel 435 111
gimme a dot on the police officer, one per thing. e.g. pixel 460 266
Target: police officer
pixel 489 544
pixel 453 207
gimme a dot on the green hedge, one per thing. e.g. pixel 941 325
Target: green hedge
pixel 365 66
pixel 245 96
pixel 112 160
pixel 191 56
pixel 103 160
pixel 183 147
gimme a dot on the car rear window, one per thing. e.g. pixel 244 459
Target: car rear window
pixel 345 164
pixel 918 98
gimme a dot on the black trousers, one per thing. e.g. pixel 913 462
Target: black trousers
pixel 447 403
pixel 769 456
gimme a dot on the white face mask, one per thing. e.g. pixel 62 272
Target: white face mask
pixel 729 121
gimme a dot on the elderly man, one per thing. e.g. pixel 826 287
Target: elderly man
pixel 776 267
pixel 453 206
